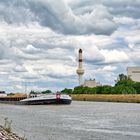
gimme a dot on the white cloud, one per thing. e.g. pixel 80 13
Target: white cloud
pixel 39 41
pixel 109 68
pixel 112 56
pixel 61 19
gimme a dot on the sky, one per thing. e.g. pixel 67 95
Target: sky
pixel 40 39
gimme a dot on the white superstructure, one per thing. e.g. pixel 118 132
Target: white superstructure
pixel 48 99
pixel 3 94
pixel 134 73
pixel 80 71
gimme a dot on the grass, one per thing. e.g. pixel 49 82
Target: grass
pixel 128 98
pixel 7 125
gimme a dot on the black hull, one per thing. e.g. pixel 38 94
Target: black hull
pixel 49 101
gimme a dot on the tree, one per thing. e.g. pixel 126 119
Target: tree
pixel 99 89
pixel 85 90
pixel 122 77
pixel 66 90
pixel 78 90
pixel 46 91
pixel 106 89
pixel 33 92
pixel 137 87
pixel 91 90
pixel 123 89
pixel 124 80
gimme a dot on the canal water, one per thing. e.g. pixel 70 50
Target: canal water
pixel 78 121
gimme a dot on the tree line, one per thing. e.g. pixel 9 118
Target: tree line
pixel 40 92
pixel 124 85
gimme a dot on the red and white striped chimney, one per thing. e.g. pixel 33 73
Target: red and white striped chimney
pixel 80 70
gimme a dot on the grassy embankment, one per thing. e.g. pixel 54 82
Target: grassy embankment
pixel 127 98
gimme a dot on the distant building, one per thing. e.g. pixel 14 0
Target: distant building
pixel 91 83
pixel 3 94
pixel 134 73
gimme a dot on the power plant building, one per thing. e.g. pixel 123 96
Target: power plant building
pixel 91 83
pixel 134 73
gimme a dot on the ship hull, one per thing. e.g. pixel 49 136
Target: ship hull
pixel 46 101
pixel 39 100
pixel 10 102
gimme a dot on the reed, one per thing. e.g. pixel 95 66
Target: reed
pixel 7 125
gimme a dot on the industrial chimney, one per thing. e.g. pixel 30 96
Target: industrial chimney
pixel 80 70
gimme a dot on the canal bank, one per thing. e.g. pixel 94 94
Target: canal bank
pixel 126 98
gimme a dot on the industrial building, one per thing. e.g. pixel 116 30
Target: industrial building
pixel 134 73
pixel 91 83
pixel 80 71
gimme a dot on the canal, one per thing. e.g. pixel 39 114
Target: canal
pixel 78 121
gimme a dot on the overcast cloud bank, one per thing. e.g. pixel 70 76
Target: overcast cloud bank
pixel 39 41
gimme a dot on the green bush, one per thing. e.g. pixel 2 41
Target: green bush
pixel 106 89
pixel 136 86
pixel 121 89
pixel 78 90
pixel 99 89
pixel 68 91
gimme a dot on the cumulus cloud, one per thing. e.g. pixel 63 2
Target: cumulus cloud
pixel 109 68
pixel 58 16
pixel 40 39
pixel 112 56
pixel 127 8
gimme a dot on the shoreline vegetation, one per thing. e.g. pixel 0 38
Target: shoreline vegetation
pixel 126 98
pixel 6 132
pixel 125 90
pixel 6 135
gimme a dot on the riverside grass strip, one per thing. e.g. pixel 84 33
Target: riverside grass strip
pixel 126 98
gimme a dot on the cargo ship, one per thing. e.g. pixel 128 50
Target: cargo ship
pixel 57 98
pixel 11 98
pixel 39 99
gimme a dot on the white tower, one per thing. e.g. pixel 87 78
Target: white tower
pixel 80 70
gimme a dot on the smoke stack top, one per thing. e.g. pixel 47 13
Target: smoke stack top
pixel 80 50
